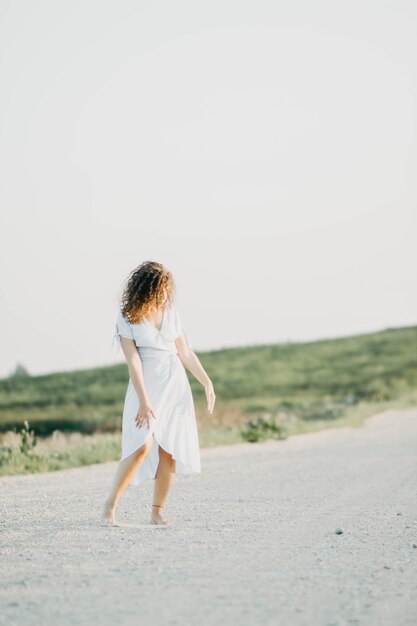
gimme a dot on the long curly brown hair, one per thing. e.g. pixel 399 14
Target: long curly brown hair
pixel 148 287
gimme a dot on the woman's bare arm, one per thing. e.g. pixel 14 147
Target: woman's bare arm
pixel 191 361
pixel 134 365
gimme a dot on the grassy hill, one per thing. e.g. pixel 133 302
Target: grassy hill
pixel 300 386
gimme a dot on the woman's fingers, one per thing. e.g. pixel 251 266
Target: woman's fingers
pixel 210 398
pixel 210 403
pixel 148 417
pixel 142 417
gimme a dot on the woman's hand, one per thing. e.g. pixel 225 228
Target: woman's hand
pixel 144 414
pixel 210 395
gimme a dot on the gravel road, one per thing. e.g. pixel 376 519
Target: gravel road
pixel 252 538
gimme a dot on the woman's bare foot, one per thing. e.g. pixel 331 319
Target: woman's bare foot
pixel 109 514
pixel 156 517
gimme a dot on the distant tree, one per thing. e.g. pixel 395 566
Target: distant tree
pixel 20 372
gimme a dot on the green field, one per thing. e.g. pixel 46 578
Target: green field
pixel 262 391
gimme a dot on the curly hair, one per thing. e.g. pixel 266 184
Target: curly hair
pixel 148 286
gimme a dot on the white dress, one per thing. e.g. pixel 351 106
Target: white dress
pixel 169 391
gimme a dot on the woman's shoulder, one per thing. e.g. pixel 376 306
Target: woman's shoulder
pixel 122 317
pixel 171 311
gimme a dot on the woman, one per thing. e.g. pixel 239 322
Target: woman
pixel 159 429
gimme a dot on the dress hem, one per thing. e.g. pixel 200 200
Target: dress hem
pixel 190 472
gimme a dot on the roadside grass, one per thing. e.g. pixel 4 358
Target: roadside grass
pixel 66 450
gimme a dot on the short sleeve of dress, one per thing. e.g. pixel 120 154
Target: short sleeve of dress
pixel 122 328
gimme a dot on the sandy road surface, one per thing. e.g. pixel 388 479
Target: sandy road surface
pixel 252 539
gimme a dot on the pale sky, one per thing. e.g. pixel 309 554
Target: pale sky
pixel 265 152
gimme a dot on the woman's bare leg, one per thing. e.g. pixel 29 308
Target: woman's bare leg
pixel 124 474
pixel 163 481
